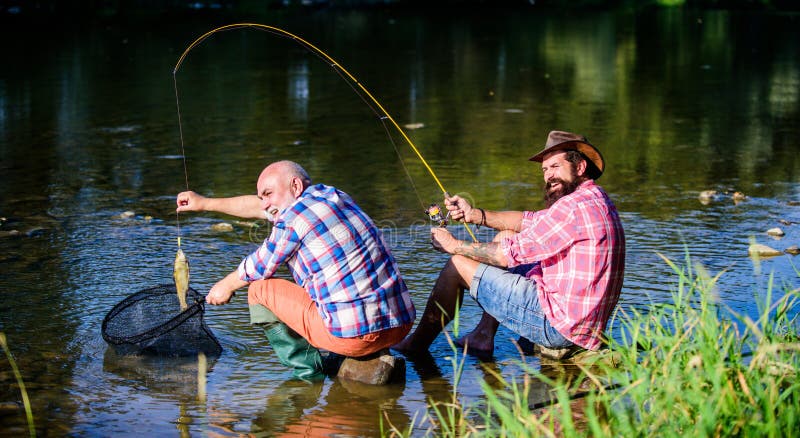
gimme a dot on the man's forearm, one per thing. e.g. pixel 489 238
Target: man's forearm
pixel 245 206
pixel 499 220
pixel 489 253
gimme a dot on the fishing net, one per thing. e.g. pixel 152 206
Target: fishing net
pixel 150 322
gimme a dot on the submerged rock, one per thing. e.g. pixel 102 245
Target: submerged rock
pixel 706 196
pixel 222 227
pixel 777 232
pixel 9 408
pixel 557 353
pixel 35 231
pixel 793 250
pixel 378 369
pixel 760 250
pixel 246 224
pixel 589 357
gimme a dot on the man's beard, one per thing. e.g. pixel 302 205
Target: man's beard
pixel 564 189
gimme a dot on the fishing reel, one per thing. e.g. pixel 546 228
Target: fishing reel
pixel 434 213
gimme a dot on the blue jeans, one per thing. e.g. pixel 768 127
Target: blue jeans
pixel 512 300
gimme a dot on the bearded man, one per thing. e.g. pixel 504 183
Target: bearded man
pixel 552 276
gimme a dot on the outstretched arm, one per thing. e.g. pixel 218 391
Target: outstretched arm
pixel 245 206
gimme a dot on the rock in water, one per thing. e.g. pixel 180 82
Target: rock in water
pixel 706 196
pixel 378 369
pixel 760 250
pixel 223 227
pixel 777 232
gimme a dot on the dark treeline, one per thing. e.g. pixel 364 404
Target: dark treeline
pixel 11 10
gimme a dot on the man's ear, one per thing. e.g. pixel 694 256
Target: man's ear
pixel 580 167
pixel 296 186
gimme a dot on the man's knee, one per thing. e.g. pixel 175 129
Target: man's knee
pixel 461 268
pixel 256 293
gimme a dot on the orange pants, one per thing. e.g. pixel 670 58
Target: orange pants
pixel 294 307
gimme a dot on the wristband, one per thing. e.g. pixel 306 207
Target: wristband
pixel 483 219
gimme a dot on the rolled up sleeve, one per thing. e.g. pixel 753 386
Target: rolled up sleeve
pixel 282 243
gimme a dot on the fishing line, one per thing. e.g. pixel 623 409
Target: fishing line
pixel 183 154
pixel 354 84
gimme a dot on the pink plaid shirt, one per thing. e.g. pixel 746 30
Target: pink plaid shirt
pixel 578 247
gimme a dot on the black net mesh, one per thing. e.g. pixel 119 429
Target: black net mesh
pixel 151 322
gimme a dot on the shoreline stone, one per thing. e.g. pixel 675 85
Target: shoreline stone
pixel 776 232
pixel 760 250
pixel 222 227
pixel 379 369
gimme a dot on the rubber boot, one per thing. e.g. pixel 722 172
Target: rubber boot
pixel 295 352
pixel 292 350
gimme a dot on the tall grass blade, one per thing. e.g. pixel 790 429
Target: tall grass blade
pixel 26 402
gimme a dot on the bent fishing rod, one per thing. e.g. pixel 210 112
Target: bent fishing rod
pixel 351 80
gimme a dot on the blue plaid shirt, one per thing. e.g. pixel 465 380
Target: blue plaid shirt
pixel 335 251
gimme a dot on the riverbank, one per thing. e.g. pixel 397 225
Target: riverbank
pixel 690 366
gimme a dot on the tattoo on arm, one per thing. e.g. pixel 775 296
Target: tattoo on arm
pixel 482 252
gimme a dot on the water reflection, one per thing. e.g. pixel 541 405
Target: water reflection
pixel 313 410
pixel 298 91
pixel 679 101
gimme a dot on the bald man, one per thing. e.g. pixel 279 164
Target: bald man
pixel 347 296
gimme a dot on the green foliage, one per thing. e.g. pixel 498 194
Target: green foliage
pixel 448 418
pixel 25 400
pixel 686 367
pixel 670 3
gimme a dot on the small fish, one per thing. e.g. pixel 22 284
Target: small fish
pixel 180 274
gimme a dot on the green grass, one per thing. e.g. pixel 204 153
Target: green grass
pixel 692 367
pixel 26 402
pixel 682 368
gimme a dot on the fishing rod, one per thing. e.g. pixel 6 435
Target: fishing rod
pixel 351 80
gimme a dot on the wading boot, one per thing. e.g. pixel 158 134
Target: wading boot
pixel 295 352
pixel 292 349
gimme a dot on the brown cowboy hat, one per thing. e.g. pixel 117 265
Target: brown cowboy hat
pixel 565 141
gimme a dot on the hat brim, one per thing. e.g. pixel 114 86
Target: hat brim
pixel 586 149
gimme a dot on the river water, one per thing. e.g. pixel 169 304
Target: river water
pixel 678 101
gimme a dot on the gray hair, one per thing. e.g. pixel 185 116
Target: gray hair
pixel 294 169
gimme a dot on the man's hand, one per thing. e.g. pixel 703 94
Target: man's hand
pixel 443 241
pixel 458 207
pixel 219 294
pixel 190 201
pixel 222 292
